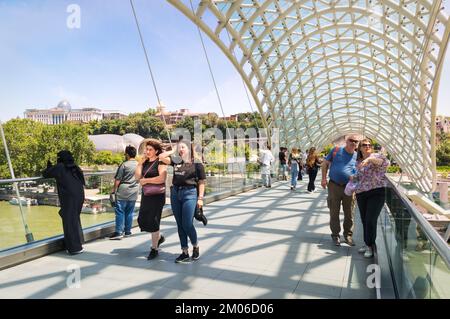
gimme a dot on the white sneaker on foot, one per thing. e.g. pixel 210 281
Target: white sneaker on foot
pixel 362 250
pixel 369 252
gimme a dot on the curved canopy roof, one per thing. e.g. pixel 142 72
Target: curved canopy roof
pixel 320 69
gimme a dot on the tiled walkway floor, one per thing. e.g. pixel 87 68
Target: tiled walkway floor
pixel 266 243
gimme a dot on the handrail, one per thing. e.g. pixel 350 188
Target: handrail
pixel 33 179
pixel 436 240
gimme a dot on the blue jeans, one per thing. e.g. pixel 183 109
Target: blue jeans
pixel 283 169
pixel 266 179
pixel 183 202
pixel 294 174
pixel 124 213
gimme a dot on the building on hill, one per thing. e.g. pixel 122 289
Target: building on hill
pixel 172 117
pixel 63 112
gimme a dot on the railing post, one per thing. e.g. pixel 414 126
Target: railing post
pixel 28 233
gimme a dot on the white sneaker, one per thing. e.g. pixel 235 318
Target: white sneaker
pixel 369 252
pixel 362 250
pixel 76 252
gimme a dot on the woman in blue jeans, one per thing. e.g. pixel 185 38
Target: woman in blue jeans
pixel 294 163
pixel 187 173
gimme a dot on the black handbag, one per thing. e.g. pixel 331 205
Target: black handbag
pixel 198 215
pixel 112 199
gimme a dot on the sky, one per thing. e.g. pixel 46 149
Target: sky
pixel 102 64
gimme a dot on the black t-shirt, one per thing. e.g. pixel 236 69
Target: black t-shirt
pixel 149 171
pixel 282 157
pixel 184 173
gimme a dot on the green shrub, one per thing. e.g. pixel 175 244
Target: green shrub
pixel 394 169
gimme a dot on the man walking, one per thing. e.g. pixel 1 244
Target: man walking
pixel 282 156
pixel 265 159
pixel 342 164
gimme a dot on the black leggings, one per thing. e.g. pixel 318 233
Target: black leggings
pixel 370 204
pixel 312 178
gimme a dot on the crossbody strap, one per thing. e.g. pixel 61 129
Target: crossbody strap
pixel 148 170
pixel 196 178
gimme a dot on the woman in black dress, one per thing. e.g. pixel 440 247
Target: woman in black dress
pixel 70 182
pixel 151 171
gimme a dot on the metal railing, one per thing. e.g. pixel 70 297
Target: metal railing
pixel 15 249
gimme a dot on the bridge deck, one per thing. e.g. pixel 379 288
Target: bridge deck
pixel 266 243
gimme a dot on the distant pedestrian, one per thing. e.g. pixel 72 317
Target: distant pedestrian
pixel 312 167
pixel 301 165
pixel 266 159
pixel 295 159
pixel 283 157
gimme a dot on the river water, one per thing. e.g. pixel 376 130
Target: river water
pixel 43 222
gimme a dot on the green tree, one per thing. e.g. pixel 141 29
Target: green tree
pixel 107 158
pixel 31 144
pixel 23 139
pixel 187 123
pixel 67 136
pixel 443 150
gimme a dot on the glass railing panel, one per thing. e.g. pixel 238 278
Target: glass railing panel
pixel 12 231
pixel 418 270
pixel 97 208
pixel 408 249
pixel 40 206
pixel 440 277
pixel 213 179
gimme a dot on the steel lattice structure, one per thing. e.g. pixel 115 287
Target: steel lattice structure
pixel 320 69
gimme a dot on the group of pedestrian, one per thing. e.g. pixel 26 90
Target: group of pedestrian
pixel 150 173
pixel 296 163
pixel 356 162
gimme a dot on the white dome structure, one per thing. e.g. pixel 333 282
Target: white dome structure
pixel 115 143
pixel 65 105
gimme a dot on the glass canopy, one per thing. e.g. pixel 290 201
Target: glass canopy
pixel 318 69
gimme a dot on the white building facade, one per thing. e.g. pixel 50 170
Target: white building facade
pixel 64 113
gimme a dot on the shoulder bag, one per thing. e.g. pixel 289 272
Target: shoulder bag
pixel 153 189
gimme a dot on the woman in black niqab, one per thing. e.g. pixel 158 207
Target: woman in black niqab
pixel 70 182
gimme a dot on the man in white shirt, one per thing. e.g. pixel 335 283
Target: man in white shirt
pixel 266 159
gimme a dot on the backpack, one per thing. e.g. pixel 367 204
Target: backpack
pixel 335 150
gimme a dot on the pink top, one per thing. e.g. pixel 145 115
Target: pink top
pixel 371 176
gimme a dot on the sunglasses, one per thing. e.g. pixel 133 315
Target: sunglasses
pixel 353 141
pixel 367 145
